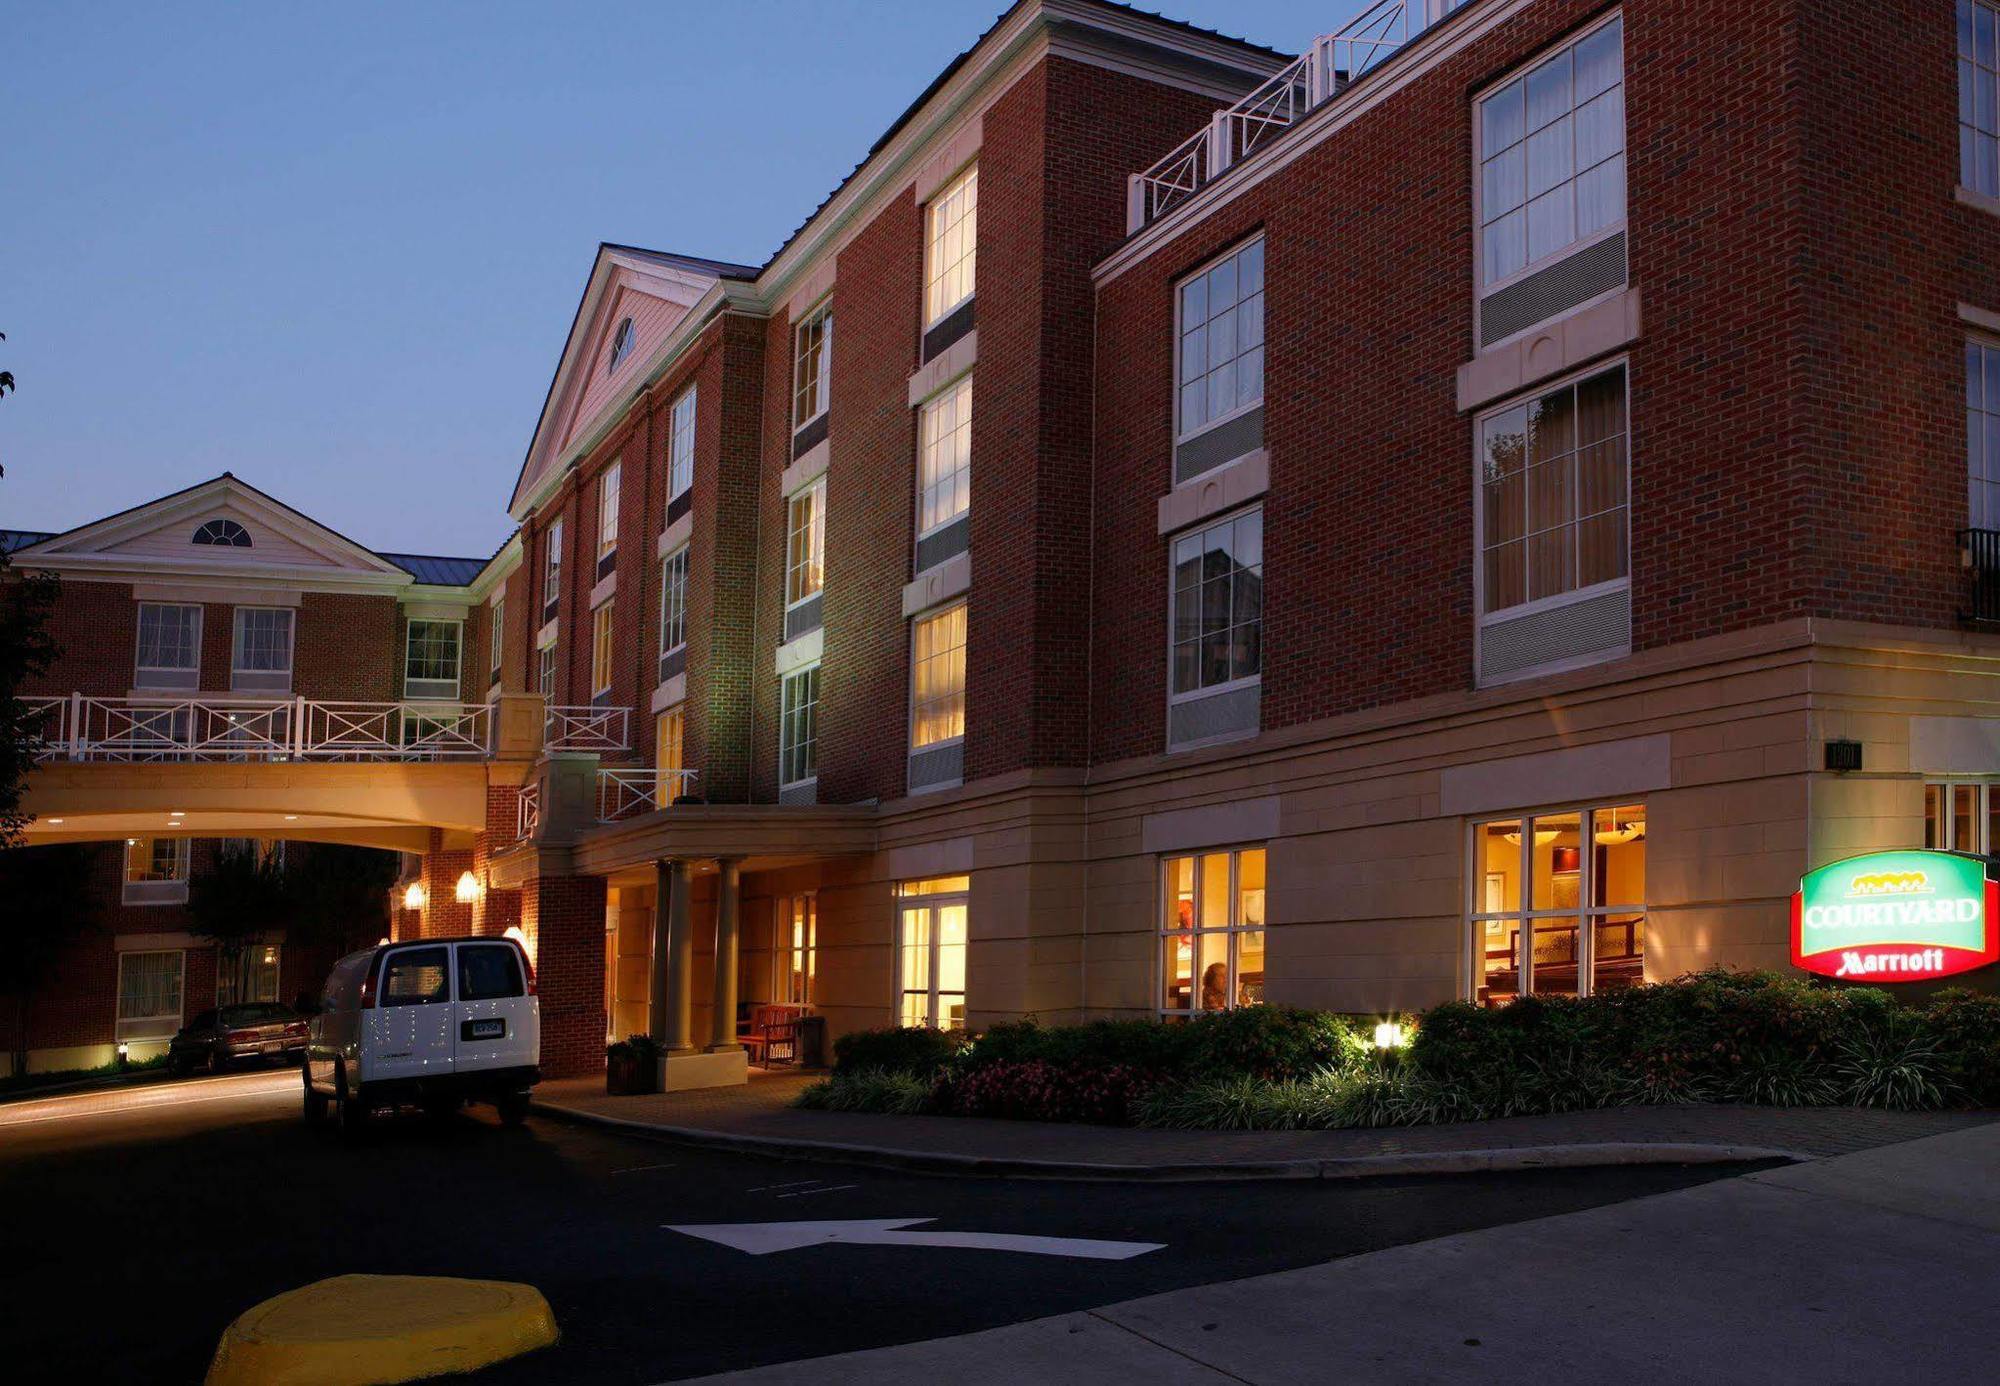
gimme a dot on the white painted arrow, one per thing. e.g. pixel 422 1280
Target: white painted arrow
pixel 763 1238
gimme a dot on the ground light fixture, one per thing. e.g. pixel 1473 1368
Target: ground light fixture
pixel 414 897
pixel 124 1053
pixel 467 889
pixel 1389 1035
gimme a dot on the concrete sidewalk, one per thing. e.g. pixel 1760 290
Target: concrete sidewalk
pixel 1867 1268
pixel 757 1118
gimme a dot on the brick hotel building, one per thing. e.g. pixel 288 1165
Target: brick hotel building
pixel 1479 507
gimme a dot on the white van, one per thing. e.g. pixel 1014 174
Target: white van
pixel 437 1021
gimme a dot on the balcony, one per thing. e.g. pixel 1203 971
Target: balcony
pixel 1979 555
pixel 202 728
pixel 604 730
pixel 623 794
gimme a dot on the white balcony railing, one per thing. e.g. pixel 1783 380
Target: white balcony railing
pixel 528 812
pixel 1319 74
pixel 203 728
pixel 602 729
pixel 629 793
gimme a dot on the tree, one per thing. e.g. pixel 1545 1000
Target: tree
pixel 234 902
pixel 324 896
pixel 26 650
pixel 51 904
pixel 340 895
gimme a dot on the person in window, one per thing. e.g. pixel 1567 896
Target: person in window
pixel 1215 987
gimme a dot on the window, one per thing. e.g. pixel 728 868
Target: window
pixel 169 645
pixel 621 346
pixel 798 727
pixel 417 977
pixel 673 600
pixel 805 544
pixel 496 638
pixel 1218 604
pixel 545 672
pixel 600 648
pixel 489 972
pixel 430 659
pixel 680 447
pixel 1221 349
pixel 951 223
pixel 552 561
pixel 1962 816
pixel 1982 434
pixel 944 471
pixel 930 952
pixel 225 534
pixel 607 514
pixel 1552 493
pixel 1552 156
pixel 669 755
pixel 796 949
pixel 1978 120
pixel 812 367
pixel 155 859
pixel 937 673
pixel 1553 913
pixel 250 975
pixel 149 993
pixel 1212 932
pixel 262 648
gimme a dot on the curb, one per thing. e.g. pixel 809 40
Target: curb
pixel 1596 1155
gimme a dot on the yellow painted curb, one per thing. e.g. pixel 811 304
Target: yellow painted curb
pixel 358 1330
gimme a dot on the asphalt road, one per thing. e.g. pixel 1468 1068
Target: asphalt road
pixel 139 1222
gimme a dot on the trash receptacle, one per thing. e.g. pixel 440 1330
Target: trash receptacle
pixel 812 1041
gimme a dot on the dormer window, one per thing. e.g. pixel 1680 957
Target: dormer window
pixel 621 345
pixel 222 533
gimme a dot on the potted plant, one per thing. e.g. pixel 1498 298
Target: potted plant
pixel 632 1066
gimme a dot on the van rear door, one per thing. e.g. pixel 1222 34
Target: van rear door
pixel 413 1026
pixel 498 1015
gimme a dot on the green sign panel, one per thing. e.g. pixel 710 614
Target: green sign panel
pixel 1896 917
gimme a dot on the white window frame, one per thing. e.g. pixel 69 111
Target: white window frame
pixel 154 889
pixel 607 510
pixel 1481 616
pixel 552 567
pixel 622 338
pixel 1982 364
pixel 428 688
pixel 917 704
pixel 1232 931
pixel 680 443
pixel 140 669
pixel 1972 134
pixel 1488 287
pixel 1229 685
pixel 786 710
pixel 238 624
pixel 959 394
pixel 935 903
pixel 545 671
pixel 603 647
pixel 812 567
pixel 1182 433
pixel 158 1024
pixel 496 638
pixel 1476 916
pixel 812 366
pixel 673 600
pixel 965 182
pixel 1940 814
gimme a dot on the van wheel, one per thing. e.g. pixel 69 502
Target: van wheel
pixel 353 1111
pixel 513 1107
pixel 315 1103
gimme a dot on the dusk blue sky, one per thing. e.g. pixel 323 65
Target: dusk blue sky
pixel 335 249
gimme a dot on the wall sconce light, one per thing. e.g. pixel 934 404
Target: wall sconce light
pixel 414 897
pixel 467 889
pixel 520 936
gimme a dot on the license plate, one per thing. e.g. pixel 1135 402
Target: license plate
pixel 273 1046
pixel 485 1029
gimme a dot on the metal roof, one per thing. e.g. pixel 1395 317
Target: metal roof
pixel 435 571
pixel 15 539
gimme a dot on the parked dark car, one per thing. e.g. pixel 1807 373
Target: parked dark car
pixel 217 1039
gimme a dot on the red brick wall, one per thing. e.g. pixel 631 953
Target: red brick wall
pixel 564 916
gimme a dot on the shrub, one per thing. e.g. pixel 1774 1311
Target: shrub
pixel 868 1090
pixel 640 1047
pixel 1037 1090
pixel 1892 1063
pixel 1965 1027
pixel 1276 1043
pixel 917 1050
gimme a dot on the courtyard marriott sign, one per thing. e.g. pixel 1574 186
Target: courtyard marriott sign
pixel 1896 917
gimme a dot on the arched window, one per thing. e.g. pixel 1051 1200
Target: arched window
pixel 621 344
pixel 225 533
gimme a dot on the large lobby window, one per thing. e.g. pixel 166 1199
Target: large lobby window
pixel 1962 816
pixel 930 952
pixel 1212 932
pixel 1558 903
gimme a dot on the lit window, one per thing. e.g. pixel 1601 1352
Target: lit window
pixel 1978 119
pixel 247 976
pixel 1219 604
pixel 673 600
pixel 798 727
pixel 937 671
pixel 1552 493
pixel 796 949
pixel 607 513
pixel 149 993
pixel 430 659
pixel 1557 903
pixel 621 345
pixel 156 859
pixel 1552 156
pixel 805 543
pixel 1962 816
pixel 950 234
pixel 226 534
pixel 552 561
pixel 812 367
pixel 263 640
pixel 1222 339
pixel 1212 934
pixel 680 446
pixel 944 471
pixel 1982 434
pixel 600 648
pixel 169 645
pixel 930 951
pixel 669 755
pixel 496 638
